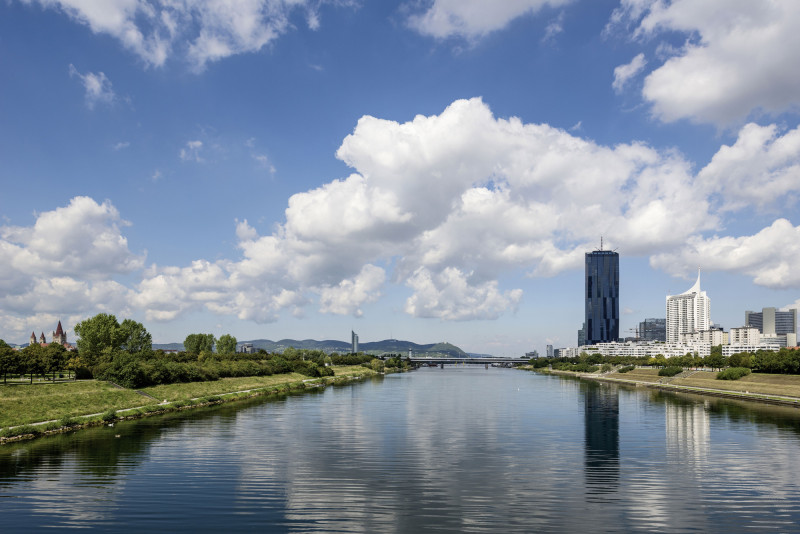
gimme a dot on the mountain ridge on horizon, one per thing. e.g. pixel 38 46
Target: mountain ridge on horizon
pixel 331 345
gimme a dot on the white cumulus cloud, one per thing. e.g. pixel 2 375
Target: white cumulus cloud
pixel 64 265
pixel 348 296
pixel 735 61
pixel 761 169
pixel 451 295
pixel 453 203
pixel 770 256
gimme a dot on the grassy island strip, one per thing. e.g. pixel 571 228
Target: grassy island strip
pixel 760 387
pixel 29 411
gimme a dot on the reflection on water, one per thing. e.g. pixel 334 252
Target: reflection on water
pixel 602 438
pixel 457 449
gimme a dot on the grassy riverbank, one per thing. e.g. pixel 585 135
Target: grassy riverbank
pixel 762 387
pixel 24 404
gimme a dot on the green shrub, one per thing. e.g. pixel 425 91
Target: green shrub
pixel 627 369
pixel 670 371
pixel 606 367
pixel 109 416
pixel 733 373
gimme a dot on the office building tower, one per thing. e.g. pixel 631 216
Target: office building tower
pixel 549 351
pixel 354 341
pixel 688 312
pixel 602 297
pixel 653 330
pixel 772 321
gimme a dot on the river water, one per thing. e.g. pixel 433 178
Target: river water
pixel 460 449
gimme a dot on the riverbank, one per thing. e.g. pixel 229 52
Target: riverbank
pixel 30 411
pixel 783 390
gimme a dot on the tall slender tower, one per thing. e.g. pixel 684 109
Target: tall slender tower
pixel 354 341
pixel 688 312
pixel 602 296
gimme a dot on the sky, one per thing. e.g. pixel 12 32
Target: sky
pixel 428 170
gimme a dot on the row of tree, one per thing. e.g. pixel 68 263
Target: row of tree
pixel 784 361
pixel 122 352
pixel 35 360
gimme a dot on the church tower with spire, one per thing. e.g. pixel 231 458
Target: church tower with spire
pixel 59 336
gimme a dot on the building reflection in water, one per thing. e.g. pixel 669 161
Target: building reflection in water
pixel 687 433
pixel 601 404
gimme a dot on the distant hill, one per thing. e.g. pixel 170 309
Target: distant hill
pixel 168 346
pixel 329 346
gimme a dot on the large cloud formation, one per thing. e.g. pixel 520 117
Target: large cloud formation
pixel 737 58
pixel 445 206
pixel 66 261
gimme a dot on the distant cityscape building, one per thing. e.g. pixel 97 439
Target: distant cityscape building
pixel 582 335
pixel 532 355
pixel 246 348
pixel 688 312
pixel 602 297
pixel 653 330
pixel 772 321
pixel 645 348
pixel 354 341
pixel 549 351
pixel 745 335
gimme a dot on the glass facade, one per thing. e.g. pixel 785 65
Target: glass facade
pixel 602 297
pixel 653 330
pixel 772 321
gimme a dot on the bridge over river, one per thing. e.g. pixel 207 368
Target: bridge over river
pixel 469 361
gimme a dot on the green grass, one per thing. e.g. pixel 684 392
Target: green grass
pixel 23 404
pixel 767 384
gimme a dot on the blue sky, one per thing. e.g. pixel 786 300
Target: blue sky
pixel 431 170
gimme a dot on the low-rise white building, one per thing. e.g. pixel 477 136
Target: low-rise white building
pixel 647 348
pixel 729 350
pixel 715 336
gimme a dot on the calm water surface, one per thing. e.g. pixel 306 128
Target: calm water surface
pixel 460 449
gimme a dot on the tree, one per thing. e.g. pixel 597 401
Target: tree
pixel 97 333
pixel 9 360
pixel 715 361
pixel 32 360
pixel 226 344
pixel 197 343
pixel 134 338
pixel 54 357
pixel 75 364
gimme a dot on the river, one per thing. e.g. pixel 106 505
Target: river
pixel 460 449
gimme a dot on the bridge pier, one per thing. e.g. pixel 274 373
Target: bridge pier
pixel 441 366
pixel 487 365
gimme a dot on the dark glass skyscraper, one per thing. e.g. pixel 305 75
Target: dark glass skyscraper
pixel 602 296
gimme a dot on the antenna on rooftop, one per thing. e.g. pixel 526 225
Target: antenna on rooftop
pixel 601 242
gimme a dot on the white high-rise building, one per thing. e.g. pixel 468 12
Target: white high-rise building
pixel 688 312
